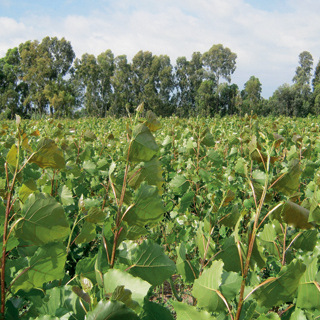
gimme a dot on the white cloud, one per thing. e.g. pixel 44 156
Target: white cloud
pixel 267 43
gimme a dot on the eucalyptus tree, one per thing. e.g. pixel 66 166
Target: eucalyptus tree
pixel 43 64
pixel 12 89
pixel 188 79
pixel 93 76
pixel 251 94
pixel 219 62
pixel 123 99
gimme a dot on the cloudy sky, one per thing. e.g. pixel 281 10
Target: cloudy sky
pixel 266 35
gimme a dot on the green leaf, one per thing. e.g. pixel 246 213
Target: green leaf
pixel 149 171
pixel 179 184
pixel 89 136
pixel 288 184
pixel 143 146
pixel 26 189
pixel 186 268
pixel 90 167
pixel 87 233
pixel 85 267
pixel 47 264
pixel 48 155
pixel 186 312
pixel 152 122
pixel 95 215
pixel 147 207
pixel 62 301
pixel 124 295
pixel 205 288
pixel 66 196
pixel 298 314
pixel 115 278
pixel 230 219
pixel 306 241
pixel 12 156
pixel 111 310
pixel 269 316
pixel 186 201
pixel 155 311
pixel 309 289
pixel 293 214
pixel 230 256
pixel 267 238
pixel 43 220
pixel 149 262
pixel 282 288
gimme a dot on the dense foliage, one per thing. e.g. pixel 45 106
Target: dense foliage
pixel 38 78
pixel 97 214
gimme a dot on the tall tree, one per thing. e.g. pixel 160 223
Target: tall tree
pixel 316 79
pixel 303 71
pixel 12 89
pixel 122 87
pixel 188 78
pixel 43 64
pixel 251 94
pixel 219 62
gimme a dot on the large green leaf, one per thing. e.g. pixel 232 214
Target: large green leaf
pixel 283 287
pixel 155 311
pixel 152 122
pixel 186 312
pixel 62 301
pixel 47 264
pixel 269 316
pixel 289 182
pixel 309 289
pixel 179 184
pixel 147 207
pixel 48 155
pixel 149 262
pixel 187 269
pixel 230 255
pixel 267 238
pixel 26 189
pixel 87 233
pixel 43 220
pixel 149 171
pixel 115 278
pixel 65 196
pixel 111 310
pixel 206 287
pixel 143 146
pixel 293 214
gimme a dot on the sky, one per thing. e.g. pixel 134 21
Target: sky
pixel 266 35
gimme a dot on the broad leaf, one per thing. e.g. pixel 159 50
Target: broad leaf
pixel 155 311
pixel 87 233
pixel 60 301
pixel 149 171
pixel 309 289
pixel 206 287
pixel 115 278
pixel 186 312
pixel 66 196
pixel 282 288
pixel 149 262
pixel 43 220
pixel 111 310
pixel 26 189
pixel 147 207
pixel 289 182
pixel 186 268
pixel 293 214
pixel 47 264
pixel 143 146
pixel 48 155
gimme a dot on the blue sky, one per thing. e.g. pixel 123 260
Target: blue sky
pixel 266 35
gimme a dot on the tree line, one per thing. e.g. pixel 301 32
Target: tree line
pixel 38 78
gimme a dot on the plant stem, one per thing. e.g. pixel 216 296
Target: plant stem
pixel 251 242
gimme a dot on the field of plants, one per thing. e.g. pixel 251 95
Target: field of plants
pixel 160 219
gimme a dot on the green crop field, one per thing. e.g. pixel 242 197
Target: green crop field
pixel 147 218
